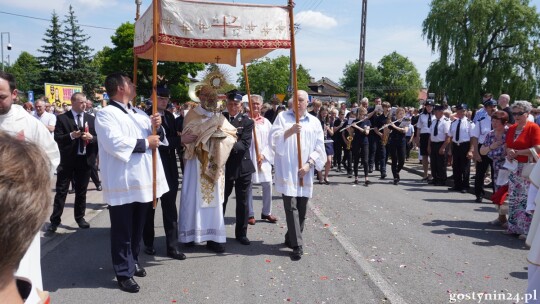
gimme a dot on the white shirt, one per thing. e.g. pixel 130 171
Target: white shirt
pixel 21 124
pixel 286 153
pixel 465 130
pixel 126 176
pixel 443 127
pixel 481 129
pixel 422 124
pixel 263 141
pixel 47 119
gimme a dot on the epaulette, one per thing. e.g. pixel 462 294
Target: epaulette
pixel 480 119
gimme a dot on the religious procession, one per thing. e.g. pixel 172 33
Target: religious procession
pixel 321 185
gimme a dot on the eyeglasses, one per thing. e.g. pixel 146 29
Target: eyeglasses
pixel 518 113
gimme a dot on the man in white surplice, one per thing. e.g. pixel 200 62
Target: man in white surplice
pixel 208 138
pixel 284 143
pixel 263 165
pixel 17 122
pixel 125 155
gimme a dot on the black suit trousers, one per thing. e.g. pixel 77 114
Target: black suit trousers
pixel 170 219
pixel 127 222
pixel 79 170
pixel 241 186
pixel 461 165
pixel 438 163
pixel 481 169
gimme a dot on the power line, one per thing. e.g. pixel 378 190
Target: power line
pixel 37 18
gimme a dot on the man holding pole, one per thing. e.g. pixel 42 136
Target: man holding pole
pixel 125 152
pixel 289 172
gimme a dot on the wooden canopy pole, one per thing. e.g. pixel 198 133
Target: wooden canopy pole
pixel 295 86
pixel 251 113
pixel 155 7
pixel 135 58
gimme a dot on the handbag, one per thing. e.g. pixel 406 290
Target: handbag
pixel 499 196
pixel 528 167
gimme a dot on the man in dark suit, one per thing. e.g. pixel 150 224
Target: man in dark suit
pixel 239 166
pixel 168 199
pixel 77 141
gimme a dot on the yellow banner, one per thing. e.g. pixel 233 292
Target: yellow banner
pixel 59 94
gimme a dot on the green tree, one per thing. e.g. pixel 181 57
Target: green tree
pixel 401 81
pixel 271 76
pixel 120 59
pixel 78 54
pixel 484 46
pixel 54 52
pixel 27 70
pixel 372 80
pixel 79 69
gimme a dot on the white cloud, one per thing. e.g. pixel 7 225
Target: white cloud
pixel 60 6
pixel 311 19
pixel 94 4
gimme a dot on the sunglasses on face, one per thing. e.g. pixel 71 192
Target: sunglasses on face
pixel 518 113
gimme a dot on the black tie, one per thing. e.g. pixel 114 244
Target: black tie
pixel 436 131
pixel 231 118
pixel 457 131
pixel 79 123
pixel 429 121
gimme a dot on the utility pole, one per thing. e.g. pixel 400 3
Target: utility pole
pixel 362 57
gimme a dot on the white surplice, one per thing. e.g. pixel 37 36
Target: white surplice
pixel 126 176
pixel 19 123
pixel 263 140
pixel 200 216
pixel 286 153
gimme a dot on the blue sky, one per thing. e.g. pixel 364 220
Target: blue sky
pixel 328 39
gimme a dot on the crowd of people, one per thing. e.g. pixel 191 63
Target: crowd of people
pixel 221 148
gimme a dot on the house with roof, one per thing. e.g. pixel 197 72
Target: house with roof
pixel 327 90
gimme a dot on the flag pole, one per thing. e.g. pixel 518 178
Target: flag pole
pixel 256 143
pixel 155 8
pixel 295 86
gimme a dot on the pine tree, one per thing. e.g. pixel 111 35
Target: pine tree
pixel 78 56
pixel 54 52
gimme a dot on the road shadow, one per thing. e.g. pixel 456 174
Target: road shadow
pixel 233 247
pixel 487 235
pixel 450 200
pixel 82 261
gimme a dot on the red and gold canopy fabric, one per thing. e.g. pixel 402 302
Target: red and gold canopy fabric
pixel 211 32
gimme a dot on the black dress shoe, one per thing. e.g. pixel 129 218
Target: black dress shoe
pixel 215 247
pixel 99 188
pixel 150 250
pixel 395 181
pixel 478 199
pixel 454 189
pixel 189 244
pixel 129 285
pixel 464 191
pixel 383 176
pixel 243 240
pixel 52 228
pixel 83 224
pixel 176 254
pixel 297 253
pixel 139 271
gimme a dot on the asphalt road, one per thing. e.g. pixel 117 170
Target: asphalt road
pixel 410 243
